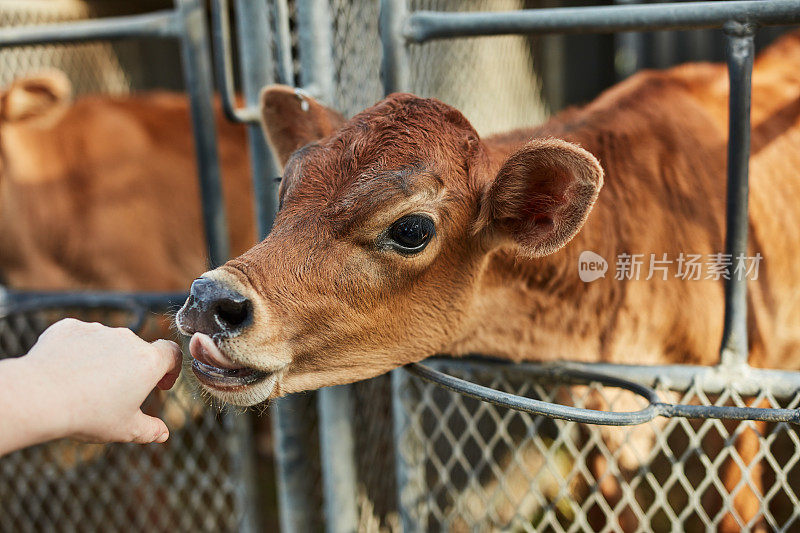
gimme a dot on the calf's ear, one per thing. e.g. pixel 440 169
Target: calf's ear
pixel 35 96
pixel 541 196
pixel 291 118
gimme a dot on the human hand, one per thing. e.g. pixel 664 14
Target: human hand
pixel 90 381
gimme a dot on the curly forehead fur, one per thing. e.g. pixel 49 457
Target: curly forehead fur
pixel 402 136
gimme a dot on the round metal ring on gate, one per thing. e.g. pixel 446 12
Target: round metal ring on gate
pixel 591 416
pixel 549 409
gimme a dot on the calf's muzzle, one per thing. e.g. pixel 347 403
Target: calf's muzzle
pixel 215 310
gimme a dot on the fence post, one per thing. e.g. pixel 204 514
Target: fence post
pixel 409 455
pixel 256 61
pixel 195 56
pixel 740 52
pixel 315 47
pixel 395 66
pixel 334 404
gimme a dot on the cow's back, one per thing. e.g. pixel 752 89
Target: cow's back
pixel 106 196
pixel 661 138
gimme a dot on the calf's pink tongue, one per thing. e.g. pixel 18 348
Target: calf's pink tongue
pixel 204 350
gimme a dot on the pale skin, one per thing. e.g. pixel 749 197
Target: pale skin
pixel 87 382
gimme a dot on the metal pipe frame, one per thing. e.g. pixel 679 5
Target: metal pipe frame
pixel 741 52
pixel 334 404
pixel 257 67
pixel 283 42
pixel 196 60
pixel 220 30
pixel 654 408
pixel 158 24
pixel 739 19
pixel 423 26
pixel 315 46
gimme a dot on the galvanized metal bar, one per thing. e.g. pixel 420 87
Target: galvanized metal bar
pixel 239 436
pixel 283 43
pixel 422 26
pixel 334 404
pixel 741 51
pixel 196 60
pixel 12 301
pixel 628 49
pixel 221 33
pixel 729 412
pixel 409 456
pixel 337 457
pixel 654 408
pixel 747 381
pixel 195 54
pixel 395 65
pixel 256 71
pixel 548 409
pixel 293 458
pixel 158 24
pixel 257 67
pixel 315 47
pixel 293 453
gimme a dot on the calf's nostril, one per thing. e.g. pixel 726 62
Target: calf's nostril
pixel 214 309
pixel 233 314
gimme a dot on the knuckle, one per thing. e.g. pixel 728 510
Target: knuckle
pixel 67 323
pixel 126 334
pixel 137 435
pixel 63 326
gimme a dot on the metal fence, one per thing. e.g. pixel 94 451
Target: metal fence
pixel 399 453
pixel 471 465
pixel 203 479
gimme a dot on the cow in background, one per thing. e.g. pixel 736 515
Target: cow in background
pixel 102 192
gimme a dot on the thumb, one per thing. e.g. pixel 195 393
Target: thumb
pixel 146 429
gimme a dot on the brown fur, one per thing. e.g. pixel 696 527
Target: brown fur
pixel 102 193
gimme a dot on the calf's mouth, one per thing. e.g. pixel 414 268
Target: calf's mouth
pixel 216 371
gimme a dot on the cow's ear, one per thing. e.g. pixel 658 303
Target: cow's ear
pixel 541 196
pixel 35 96
pixel 291 119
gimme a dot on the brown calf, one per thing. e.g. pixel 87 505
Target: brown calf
pixel 402 234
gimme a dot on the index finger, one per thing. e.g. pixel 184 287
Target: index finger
pixel 170 358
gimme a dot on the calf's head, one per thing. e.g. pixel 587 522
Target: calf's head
pixel 375 257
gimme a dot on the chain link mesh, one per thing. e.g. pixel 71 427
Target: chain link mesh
pixel 491 80
pixel 471 466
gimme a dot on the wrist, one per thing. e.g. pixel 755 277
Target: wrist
pixel 36 414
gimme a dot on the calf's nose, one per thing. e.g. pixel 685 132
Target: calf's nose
pixel 214 309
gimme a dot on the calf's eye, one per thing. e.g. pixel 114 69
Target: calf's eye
pixel 411 234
